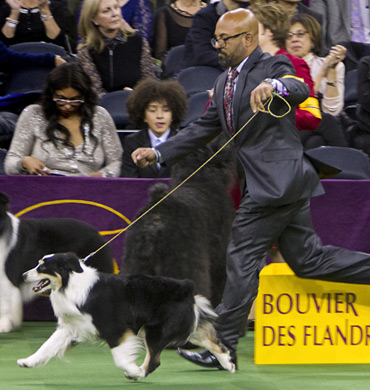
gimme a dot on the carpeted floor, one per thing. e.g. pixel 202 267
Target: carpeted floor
pixel 91 367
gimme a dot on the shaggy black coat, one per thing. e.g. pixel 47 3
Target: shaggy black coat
pixel 185 236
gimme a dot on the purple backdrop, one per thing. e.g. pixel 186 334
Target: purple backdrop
pixel 341 216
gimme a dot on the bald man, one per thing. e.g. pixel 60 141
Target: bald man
pixel 279 177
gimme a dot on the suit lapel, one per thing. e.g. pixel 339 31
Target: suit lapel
pixel 241 84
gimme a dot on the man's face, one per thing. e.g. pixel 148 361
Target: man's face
pixel 231 52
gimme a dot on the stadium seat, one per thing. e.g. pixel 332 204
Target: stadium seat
pixel 115 104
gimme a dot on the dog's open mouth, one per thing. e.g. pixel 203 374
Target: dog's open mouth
pixel 41 285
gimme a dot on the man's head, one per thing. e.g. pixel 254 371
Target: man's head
pixel 236 36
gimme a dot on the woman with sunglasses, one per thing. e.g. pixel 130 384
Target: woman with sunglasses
pixel 67 133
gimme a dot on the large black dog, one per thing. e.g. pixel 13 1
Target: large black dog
pixel 24 241
pixel 186 235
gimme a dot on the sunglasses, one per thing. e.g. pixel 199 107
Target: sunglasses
pixel 72 102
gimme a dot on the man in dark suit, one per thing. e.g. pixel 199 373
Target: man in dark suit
pixel 280 179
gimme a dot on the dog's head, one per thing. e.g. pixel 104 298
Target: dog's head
pixel 53 272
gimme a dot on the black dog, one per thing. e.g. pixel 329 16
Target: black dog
pixel 185 237
pixel 24 241
pixel 126 312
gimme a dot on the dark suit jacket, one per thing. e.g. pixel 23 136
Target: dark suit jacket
pixel 270 151
pixel 129 169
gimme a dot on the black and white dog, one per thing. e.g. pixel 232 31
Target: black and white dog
pixel 24 241
pixel 126 312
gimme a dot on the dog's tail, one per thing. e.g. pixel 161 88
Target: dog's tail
pixel 158 191
pixel 203 311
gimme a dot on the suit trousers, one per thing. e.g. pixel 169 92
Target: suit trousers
pixel 255 230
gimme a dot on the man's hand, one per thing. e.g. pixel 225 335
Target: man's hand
pixel 260 94
pixel 143 157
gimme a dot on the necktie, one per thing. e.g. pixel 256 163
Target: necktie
pixel 228 97
pixel 356 22
pixel 157 143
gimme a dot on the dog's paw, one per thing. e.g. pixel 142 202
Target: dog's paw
pixel 135 374
pixel 27 362
pixel 6 325
pixel 23 363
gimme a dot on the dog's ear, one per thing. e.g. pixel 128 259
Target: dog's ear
pixel 74 263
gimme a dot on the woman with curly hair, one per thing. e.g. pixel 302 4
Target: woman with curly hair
pixel 67 133
pixel 111 53
pixel 157 108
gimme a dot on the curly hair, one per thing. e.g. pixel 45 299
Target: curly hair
pixel 68 75
pixel 313 28
pixel 273 17
pixel 151 90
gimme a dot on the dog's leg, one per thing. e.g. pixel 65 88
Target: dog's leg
pixel 125 354
pixel 56 345
pixel 11 310
pixel 205 336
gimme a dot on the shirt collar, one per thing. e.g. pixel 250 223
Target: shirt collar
pixel 162 138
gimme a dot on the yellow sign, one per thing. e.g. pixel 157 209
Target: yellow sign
pixel 301 321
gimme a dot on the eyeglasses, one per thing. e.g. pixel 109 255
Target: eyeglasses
pixel 72 102
pixel 222 41
pixel 298 34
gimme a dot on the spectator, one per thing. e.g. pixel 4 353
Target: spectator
pixel 328 73
pixel 33 21
pixel 67 134
pixel 198 48
pixel 11 60
pixel 171 25
pixel 158 108
pixel 138 14
pixel 273 29
pixel 111 54
pixel 340 21
pixel 360 132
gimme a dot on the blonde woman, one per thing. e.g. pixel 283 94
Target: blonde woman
pixel 111 53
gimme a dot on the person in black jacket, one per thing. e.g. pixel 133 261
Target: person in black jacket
pixel 158 108
pixel 111 53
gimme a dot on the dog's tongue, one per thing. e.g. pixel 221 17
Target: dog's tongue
pixel 43 283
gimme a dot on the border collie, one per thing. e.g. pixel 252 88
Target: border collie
pixel 125 312
pixel 24 241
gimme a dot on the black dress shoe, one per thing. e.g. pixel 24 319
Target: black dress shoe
pixel 204 358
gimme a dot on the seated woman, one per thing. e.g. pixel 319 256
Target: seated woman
pixel 67 134
pixel 111 54
pixel 33 21
pixel 158 108
pixel 171 25
pixel 304 41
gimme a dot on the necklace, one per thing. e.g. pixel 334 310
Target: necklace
pixel 184 12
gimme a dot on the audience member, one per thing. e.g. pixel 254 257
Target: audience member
pixel 171 25
pixel 138 14
pixel 67 134
pixel 10 60
pixel 158 108
pixel 328 73
pixel 360 132
pixel 111 54
pixel 198 48
pixel 33 21
pixel 273 27
pixel 294 7
pixel 344 20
